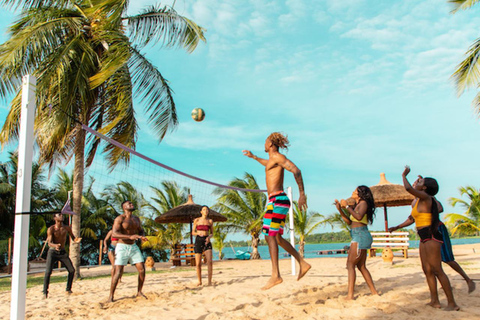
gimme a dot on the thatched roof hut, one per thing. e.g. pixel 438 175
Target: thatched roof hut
pixel 387 194
pixel 186 213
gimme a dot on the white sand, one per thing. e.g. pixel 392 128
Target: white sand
pixel 237 295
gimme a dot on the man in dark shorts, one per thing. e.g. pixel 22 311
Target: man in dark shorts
pixel 279 204
pixel 127 229
pixel 56 238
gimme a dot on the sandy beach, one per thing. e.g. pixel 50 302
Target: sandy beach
pixel 237 295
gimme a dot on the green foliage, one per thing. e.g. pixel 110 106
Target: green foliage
pixel 469 222
pixel 244 210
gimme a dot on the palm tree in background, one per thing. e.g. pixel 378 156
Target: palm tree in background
pixel 467 74
pixel 244 210
pixel 305 222
pixel 169 196
pixel 42 199
pixel 218 243
pixel 469 222
pixel 86 56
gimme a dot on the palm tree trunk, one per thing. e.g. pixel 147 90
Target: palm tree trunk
pixel 301 248
pixel 78 177
pixel 255 254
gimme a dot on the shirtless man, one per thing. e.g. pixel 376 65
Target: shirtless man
pixel 127 229
pixel 279 204
pixel 56 238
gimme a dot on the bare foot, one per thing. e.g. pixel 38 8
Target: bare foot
pixel 304 267
pixel 272 282
pixel 349 298
pixel 453 307
pixel 110 299
pixel 434 304
pixel 199 284
pixel 209 284
pixel 471 286
pixel 140 294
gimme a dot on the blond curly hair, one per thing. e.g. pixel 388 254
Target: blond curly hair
pixel 279 140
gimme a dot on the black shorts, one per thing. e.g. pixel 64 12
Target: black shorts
pixel 425 235
pixel 200 246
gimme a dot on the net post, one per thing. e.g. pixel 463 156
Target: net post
pixel 292 231
pixel 23 195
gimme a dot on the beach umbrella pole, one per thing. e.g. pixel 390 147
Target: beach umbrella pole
pixel 386 218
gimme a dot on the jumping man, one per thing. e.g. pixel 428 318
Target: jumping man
pixel 279 204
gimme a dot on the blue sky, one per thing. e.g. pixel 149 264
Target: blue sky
pixel 360 87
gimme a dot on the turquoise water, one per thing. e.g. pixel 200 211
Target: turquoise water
pixel 312 249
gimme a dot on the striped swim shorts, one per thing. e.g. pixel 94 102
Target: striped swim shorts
pixel 274 218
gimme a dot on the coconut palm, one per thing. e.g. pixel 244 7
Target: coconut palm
pixel 169 196
pixel 467 74
pixel 218 243
pixel 305 222
pixel 469 222
pixel 41 200
pixel 244 210
pixel 86 56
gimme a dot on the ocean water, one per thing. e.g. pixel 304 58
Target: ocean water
pixel 311 250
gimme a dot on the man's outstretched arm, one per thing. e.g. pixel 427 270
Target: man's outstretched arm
pixel 251 155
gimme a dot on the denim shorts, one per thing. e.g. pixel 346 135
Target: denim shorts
pixel 362 236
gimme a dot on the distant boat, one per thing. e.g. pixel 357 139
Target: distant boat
pixel 242 255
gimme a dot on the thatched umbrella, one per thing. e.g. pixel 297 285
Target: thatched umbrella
pixel 387 194
pixel 186 213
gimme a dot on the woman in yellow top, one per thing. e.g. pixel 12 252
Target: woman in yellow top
pixel 203 229
pixel 426 215
pixel 360 214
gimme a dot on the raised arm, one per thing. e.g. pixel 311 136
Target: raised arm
pixel 251 155
pixel 290 166
pixel 342 214
pixel 359 211
pixel 408 187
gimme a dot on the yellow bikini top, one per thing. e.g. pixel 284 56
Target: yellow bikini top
pixel 422 219
pixel 364 219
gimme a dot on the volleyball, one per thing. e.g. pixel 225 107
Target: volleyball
pixel 198 114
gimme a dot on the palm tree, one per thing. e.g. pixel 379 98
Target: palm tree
pixel 86 56
pixel 219 235
pixel 469 222
pixel 467 73
pixel 305 223
pixel 244 210
pixel 169 196
pixel 41 200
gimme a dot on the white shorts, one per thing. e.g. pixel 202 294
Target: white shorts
pixel 127 253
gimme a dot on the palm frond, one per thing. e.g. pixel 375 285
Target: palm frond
pixel 462 4
pixel 154 91
pixel 164 24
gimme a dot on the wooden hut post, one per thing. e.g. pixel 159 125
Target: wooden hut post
pixel 386 217
pixel 100 254
pixel 9 264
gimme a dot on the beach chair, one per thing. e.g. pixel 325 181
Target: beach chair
pixel 183 252
pixel 394 240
